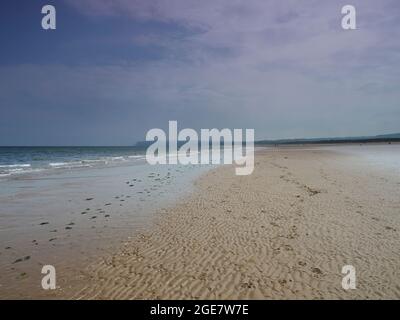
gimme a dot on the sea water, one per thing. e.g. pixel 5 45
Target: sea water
pixel 15 161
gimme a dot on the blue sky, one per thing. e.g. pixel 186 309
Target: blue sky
pixel 114 69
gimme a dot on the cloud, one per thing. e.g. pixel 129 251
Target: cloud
pixel 255 33
pixel 285 68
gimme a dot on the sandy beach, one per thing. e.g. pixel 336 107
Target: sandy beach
pixel 284 232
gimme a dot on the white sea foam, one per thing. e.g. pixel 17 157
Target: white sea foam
pixel 68 165
pixel 23 165
pixel 64 163
pixel 58 164
pixel 118 159
pixel 17 171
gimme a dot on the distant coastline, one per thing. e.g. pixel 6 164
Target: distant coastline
pixel 394 137
pixel 385 138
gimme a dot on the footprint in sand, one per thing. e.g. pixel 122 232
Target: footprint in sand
pixel 311 191
pixel 288 247
pixel 317 271
pixel 282 282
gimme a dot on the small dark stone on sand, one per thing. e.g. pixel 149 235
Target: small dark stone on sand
pixel 43 223
pixel 108 204
pixel 68 228
pixel 83 212
pixel 52 239
pixel 22 259
pixel 94 217
pixel 70 224
pixel 88 199
pixel 107 215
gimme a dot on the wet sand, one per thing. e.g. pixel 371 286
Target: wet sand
pixel 284 232
pixel 72 218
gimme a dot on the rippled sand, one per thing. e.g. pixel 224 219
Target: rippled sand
pixel 284 232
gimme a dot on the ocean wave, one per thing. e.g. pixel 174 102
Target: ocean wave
pixel 58 164
pixel 22 165
pixel 66 163
pixel 18 171
pixel 118 159
pixel 71 164
pixel 94 161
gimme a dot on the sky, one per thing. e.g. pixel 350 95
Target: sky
pixel 114 69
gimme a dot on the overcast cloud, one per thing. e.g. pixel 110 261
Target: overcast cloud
pixel 114 69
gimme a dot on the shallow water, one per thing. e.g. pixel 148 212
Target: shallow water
pixel 382 157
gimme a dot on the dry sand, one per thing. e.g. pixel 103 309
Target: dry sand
pixel 284 232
